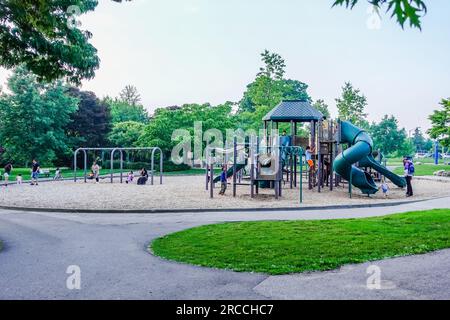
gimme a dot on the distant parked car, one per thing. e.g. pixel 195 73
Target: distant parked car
pixel 421 155
pixel 446 155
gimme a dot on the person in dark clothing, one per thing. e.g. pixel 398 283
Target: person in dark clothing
pixel 409 172
pixel 223 181
pixel 35 168
pixel 143 178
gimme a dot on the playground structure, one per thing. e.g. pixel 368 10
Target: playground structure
pixel 262 163
pixel 272 160
pixel 112 152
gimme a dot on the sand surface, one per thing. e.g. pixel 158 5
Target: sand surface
pixel 180 192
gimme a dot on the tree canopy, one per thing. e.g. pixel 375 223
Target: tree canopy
pixel 403 10
pixel 440 121
pixel 126 134
pixel 351 106
pixel 34 118
pixel 91 123
pixel 389 138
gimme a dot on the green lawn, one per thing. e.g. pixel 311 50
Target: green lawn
pixel 424 169
pixel 399 161
pixel 281 247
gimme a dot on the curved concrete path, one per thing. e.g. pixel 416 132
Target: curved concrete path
pixel 111 251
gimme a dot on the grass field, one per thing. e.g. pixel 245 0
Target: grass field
pixel 399 161
pixel 424 170
pixel 281 247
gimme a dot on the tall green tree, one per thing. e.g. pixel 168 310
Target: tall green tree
pixel 322 107
pixel 43 36
pixel 33 119
pixel 91 123
pixel 440 121
pixel 420 142
pixel 166 120
pixel 351 106
pixel 270 88
pixel 389 138
pixel 130 95
pixel 122 111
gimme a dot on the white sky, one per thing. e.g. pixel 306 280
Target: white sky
pixel 183 51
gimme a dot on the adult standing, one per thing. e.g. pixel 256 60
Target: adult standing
pixel 8 169
pixel 35 169
pixel 96 171
pixel 409 173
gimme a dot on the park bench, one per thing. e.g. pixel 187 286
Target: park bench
pixel 45 173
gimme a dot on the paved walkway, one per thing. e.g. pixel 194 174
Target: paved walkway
pixel 111 251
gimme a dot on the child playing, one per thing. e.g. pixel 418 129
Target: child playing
pixel 19 179
pixel 309 152
pixel 223 181
pixel 384 188
pixel 130 177
pixel 58 175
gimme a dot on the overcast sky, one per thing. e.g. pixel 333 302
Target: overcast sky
pixel 184 51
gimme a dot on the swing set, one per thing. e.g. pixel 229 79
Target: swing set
pixel 112 152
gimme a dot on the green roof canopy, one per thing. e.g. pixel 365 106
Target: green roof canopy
pixel 294 110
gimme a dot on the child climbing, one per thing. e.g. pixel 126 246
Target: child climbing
pixel 223 181
pixel 308 157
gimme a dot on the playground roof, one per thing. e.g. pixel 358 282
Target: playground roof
pixel 294 110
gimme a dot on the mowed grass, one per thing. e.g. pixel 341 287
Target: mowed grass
pixel 281 247
pixel 424 169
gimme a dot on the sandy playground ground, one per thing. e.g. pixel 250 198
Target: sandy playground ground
pixel 188 192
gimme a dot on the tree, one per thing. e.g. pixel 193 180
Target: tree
pixel 91 123
pixel 274 66
pixel 388 138
pixel 165 121
pixel 440 121
pixel 130 95
pixel 270 88
pixel 403 10
pixel 351 106
pixel 41 35
pixel 322 107
pixel 33 119
pixel 122 111
pixel 420 142
pixel 126 134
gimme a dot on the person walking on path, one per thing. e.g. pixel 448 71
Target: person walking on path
pixel 35 169
pixel 8 169
pixel 409 173
pixel 96 171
